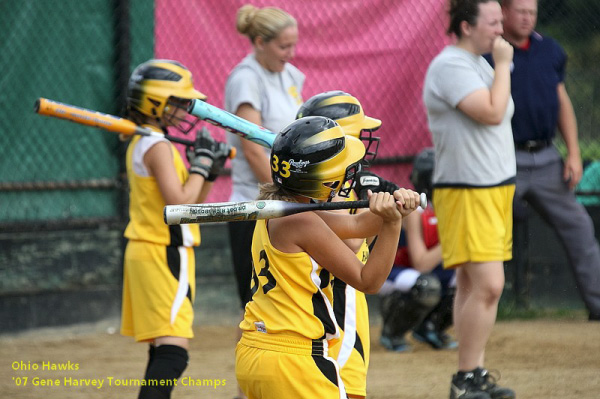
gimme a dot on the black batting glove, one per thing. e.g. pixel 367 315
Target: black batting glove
pixel 221 152
pixel 200 155
pixel 366 180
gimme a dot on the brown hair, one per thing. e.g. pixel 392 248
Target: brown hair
pixel 267 22
pixel 271 191
pixel 463 10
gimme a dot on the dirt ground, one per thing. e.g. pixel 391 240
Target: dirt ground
pixel 547 359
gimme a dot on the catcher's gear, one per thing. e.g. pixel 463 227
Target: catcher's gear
pixel 401 311
pixel 366 180
pixel 441 315
pixel 432 329
pixel 422 173
pixel 347 111
pixel 157 89
pixel 313 157
pixel 200 155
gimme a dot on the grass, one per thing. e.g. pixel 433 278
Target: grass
pixel 507 311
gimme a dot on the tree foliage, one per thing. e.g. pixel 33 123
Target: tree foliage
pixel 575 24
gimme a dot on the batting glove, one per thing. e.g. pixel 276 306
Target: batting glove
pixel 201 156
pixel 366 180
pixel 221 152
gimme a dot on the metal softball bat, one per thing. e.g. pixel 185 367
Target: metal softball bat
pixel 252 210
pixel 112 123
pixel 232 123
pixel 88 117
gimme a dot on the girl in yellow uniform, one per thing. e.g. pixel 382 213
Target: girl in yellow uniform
pixel 159 270
pixel 289 320
pixel 352 350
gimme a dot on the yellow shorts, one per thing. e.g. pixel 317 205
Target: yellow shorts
pixel 158 291
pixel 353 349
pixel 474 224
pixel 272 366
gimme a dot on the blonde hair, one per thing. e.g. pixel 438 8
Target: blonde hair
pixel 271 191
pixel 266 23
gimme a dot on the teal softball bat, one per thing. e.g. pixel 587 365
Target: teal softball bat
pixel 232 123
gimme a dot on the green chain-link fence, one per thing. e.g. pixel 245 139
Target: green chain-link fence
pixel 72 51
pixel 57 178
pixel 82 51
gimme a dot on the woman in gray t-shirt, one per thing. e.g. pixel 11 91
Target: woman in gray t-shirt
pixel 469 108
pixel 265 89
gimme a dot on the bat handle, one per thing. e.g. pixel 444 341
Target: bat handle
pixel 189 143
pixel 179 140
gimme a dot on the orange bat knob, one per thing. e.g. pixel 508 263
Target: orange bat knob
pixel 232 153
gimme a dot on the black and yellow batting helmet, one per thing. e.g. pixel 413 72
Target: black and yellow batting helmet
pixel 155 83
pixel 314 158
pixel 347 111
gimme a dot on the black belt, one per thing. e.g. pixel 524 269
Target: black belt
pixel 533 145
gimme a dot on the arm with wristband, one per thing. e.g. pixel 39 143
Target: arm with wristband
pixel 366 180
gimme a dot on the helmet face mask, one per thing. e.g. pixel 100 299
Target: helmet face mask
pixel 176 114
pixel 371 145
pixel 349 177
pixel 347 111
pixel 160 90
pixel 312 157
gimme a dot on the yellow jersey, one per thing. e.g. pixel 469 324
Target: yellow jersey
pixel 146 204
pixel 292 294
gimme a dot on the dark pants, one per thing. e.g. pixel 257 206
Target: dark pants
pixel 240 237
pixel 541 185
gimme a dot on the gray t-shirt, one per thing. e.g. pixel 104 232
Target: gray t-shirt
pixel 276 95
pixel 467 153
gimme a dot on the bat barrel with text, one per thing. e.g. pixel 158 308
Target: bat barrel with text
pixel 232 123
pixel 252 210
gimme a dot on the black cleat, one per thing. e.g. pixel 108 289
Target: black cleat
pixel 487 383
pixel 464 386
pixel 425 332
pixel 395 344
